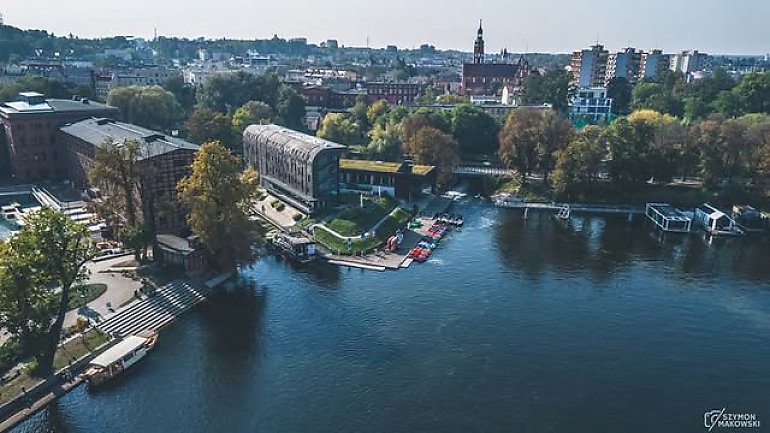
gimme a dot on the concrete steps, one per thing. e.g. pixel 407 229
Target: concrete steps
pixel 153 313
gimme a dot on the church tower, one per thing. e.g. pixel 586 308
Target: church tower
pixel 478 47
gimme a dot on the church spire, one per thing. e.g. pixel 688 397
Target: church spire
pixel 478 47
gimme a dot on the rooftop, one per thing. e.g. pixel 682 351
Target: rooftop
pixel 382 167
pixel 99 130
pixel 34 103
pixel 118 351
pixel 290 141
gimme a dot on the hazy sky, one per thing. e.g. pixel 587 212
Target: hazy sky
pixel 714 26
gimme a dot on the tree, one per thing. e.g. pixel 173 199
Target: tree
pixel 619 89
pixel 359 114
pixel 118 172
pixel 219 196
pixel 475 130
pixel 46 259
pixel 208 125
pixel 754 91
pixel 655 96
pixel 250 113
pixel 556 132
pixel 184 93
pixel 152 107
pixel 421 118
pixel 290 109
pixel 227 91
pixel 577 165
pixel 518 141
pixel 433 147
pixel 376 112
pixel 385 142
pixel 728 103
pixel 553 88
pixel 338 128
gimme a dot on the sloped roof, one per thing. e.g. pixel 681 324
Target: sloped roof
pixel 99 130
pixel 286 140
pixel 114 353
pixel 501 70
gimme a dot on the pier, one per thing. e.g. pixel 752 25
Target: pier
pixel 573 207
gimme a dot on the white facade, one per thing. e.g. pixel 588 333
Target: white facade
pixel 687 62
pixel 592 104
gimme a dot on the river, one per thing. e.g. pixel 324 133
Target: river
pixel 536 325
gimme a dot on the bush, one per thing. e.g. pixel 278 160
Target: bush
pixel 275 202
pixel 10 352
pixel 280 207
pixel 297 217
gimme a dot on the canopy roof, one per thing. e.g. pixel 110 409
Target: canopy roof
pixel 118 351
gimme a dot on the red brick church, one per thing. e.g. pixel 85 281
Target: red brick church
pixel 482 78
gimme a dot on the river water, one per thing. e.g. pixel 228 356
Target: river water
pixel 537 325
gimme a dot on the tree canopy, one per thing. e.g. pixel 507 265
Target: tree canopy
pixel 150 106
pixel 475 130
pixel 220 195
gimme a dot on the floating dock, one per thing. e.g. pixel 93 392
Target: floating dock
pixel 668 218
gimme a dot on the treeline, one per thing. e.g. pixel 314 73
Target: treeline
pixel 50 88
pixel 18 44
pixel 218 111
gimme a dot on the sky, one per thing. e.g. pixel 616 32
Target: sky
pixel 712 26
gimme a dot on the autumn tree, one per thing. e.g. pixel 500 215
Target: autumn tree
pixel 40 266
pixel 375 114
pixel 519 139
pixel 150 106
pixel 433 147
pixel 338 128
pixel 219 195
pixel 553 88
pixel 251 113
pixel 121 176
pixel 385 142
pixel 556 132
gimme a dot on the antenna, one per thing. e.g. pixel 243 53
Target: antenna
pixel 156 34
pixel 2 19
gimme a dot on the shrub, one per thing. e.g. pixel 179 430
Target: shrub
pixel 275 202
pixel 280 207
pixel 297 217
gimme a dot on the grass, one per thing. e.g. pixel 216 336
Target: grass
pixel 66 354
pixel 80 296
pixel 397 219
pixel 357 220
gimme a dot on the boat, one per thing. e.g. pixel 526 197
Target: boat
pixel 564 213
pixel 716 222
pixel 295 247
pixel 118 358
pixel 749 219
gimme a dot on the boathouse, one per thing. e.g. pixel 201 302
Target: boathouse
pixel 397 179
pixel 668 218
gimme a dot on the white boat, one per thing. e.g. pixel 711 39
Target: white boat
pixel 118 358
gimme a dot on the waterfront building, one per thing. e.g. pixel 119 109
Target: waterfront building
pixel 32 140
pixel 591 105
pixel 482 78
pixel 589 67
pixel 164 162
pixel 298 168
pixel 402 180
pixel 184 253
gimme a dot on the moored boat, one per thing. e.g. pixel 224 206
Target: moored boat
pixel 118 358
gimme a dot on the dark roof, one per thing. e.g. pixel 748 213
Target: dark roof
pixel 98 130
pixel 34 103
pixel 501 70
pixel 175 243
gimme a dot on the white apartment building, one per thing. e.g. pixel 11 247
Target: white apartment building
pixel 623 64
pixel 591 104
pixel 690 61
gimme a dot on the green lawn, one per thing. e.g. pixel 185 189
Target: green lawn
pixel 357 220
pixel 396 220
pixel 80 296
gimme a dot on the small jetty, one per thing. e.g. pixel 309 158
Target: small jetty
pixel 668 218
pixel 716 222
pixel 295 246
pixel 511 202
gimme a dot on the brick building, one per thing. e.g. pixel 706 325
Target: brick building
pixel 393 93
pixel 165 160
pixel 31 127
pixel 481 78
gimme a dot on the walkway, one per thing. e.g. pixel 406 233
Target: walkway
pixel 574 207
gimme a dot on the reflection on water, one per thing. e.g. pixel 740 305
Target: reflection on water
pixel 513 325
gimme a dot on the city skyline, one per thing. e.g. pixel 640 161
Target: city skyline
pixel 447 25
